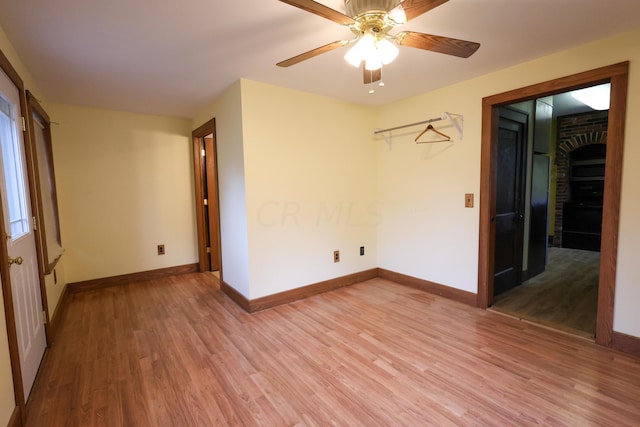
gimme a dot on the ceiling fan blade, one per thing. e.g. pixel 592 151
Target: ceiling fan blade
pixel 371 76
pixel 415 8
pixel 446 45
pixel 321 10
pixel 310 54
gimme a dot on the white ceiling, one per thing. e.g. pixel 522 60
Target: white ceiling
pixel 175 57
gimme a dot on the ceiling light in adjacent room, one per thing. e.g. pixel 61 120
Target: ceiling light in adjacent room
pixel 596 97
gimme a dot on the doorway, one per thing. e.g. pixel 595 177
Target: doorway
pixel 617 75
pixel 564 175
pixel 207 201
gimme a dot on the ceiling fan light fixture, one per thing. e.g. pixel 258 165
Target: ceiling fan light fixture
pixel 373 63
pixel 363 49
pixel 374 53
pixel 387 51
pixel 397 15
pixel 353 57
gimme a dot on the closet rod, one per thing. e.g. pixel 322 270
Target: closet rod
pixel 437 119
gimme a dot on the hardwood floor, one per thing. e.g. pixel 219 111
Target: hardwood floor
pixel 177 352
pixel 564 297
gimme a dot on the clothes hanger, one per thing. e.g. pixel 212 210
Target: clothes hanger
pixel 431 128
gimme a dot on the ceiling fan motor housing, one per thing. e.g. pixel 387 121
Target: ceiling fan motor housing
pixel 358 7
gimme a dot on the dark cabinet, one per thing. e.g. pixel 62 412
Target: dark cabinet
pixel 582 214
pixel 581 226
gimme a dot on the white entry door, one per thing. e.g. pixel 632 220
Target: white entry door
pixel 21 247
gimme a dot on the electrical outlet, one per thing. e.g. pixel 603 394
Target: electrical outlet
pixel 361 250
pixel 336 256
pixel 468 200
pixel 160 249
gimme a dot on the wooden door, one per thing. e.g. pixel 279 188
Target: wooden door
pixel 509 217
pixel 19 236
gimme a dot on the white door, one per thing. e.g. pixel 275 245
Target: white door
pixel 21 247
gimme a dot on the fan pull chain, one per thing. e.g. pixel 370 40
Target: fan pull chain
pixel 371 91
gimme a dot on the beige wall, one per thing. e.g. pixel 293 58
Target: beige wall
pixel 310 172
pixel 125 185
pixel 429 234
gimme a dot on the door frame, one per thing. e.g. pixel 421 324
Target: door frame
pixel 618 76
pixel 208 128
pixel 12 336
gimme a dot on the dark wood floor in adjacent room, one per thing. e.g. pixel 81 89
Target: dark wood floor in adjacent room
pixel 564 296
pixel 178 352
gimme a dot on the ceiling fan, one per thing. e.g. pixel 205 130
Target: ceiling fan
pixel 371 21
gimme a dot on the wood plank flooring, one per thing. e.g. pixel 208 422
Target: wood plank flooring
pixel 177 352
pixel 564 297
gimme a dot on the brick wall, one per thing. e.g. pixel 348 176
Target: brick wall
pixel 573 132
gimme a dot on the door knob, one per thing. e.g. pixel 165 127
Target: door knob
pixel 17 260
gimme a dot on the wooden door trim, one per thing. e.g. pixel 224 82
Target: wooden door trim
pixel 611 207
pixel 207 128
pixel 12 335
pixel 213 208
pixel 617 74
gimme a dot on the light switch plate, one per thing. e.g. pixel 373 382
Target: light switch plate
pixel 468 200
